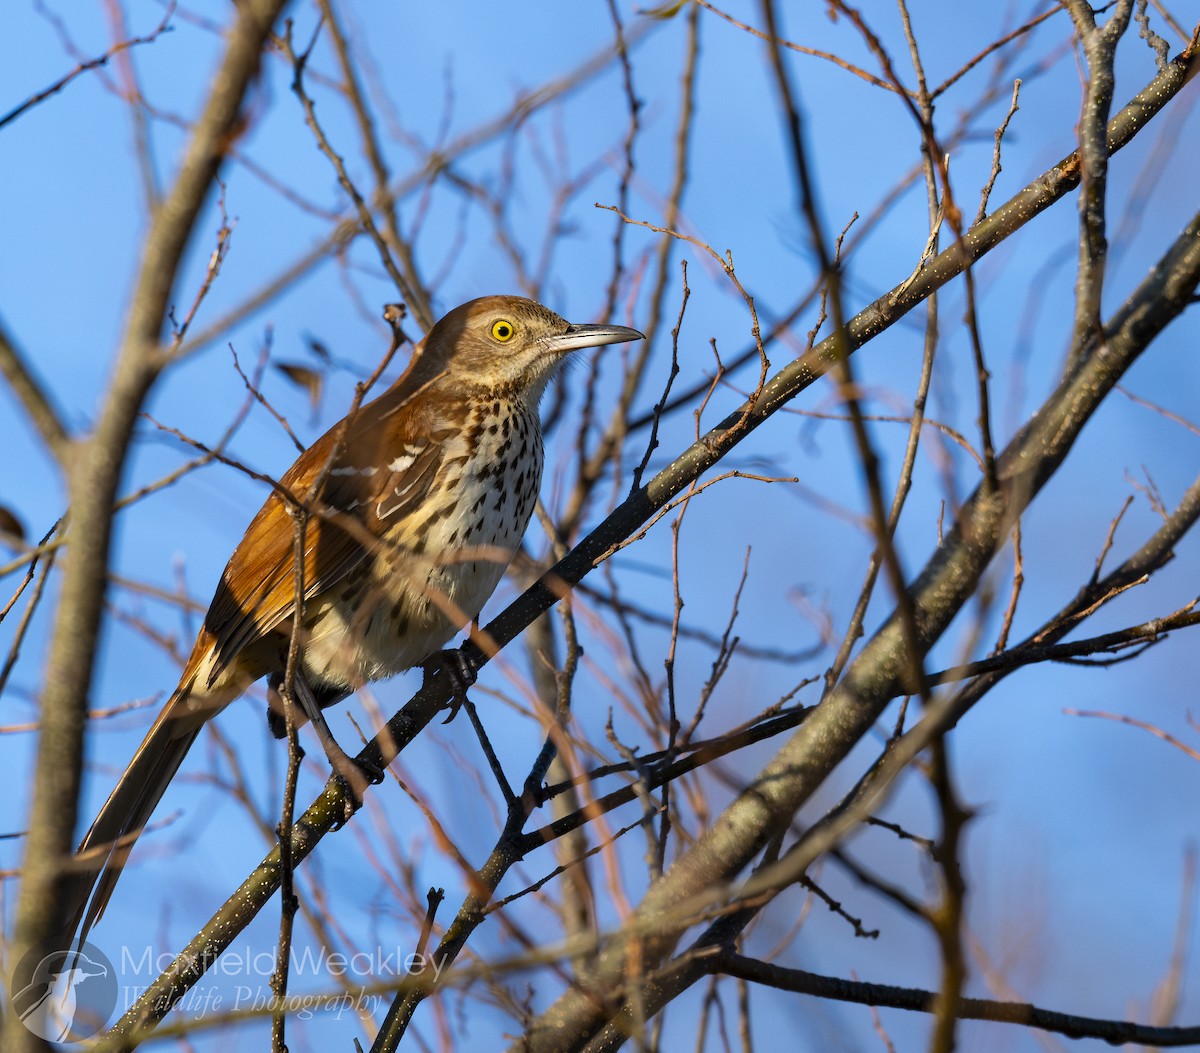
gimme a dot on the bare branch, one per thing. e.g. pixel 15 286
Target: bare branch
pixel 34 397
pixel 93 481
pixel 90 64
pixel 1116 1032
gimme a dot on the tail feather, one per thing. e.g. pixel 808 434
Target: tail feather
pixel 106 846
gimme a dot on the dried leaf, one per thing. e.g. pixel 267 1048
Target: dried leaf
pixel 668 10
pixel 10 525
pixel 304 377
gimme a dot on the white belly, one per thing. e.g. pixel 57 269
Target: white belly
pixel 421 596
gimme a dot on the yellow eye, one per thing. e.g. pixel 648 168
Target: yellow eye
pixel 503 330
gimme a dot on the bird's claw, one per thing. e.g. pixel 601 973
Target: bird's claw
pixel 351 796
pixel 354 776
pixel 462 670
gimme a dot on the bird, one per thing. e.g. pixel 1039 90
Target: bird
pixel 414 506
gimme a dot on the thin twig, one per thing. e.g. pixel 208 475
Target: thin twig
pixel 164 26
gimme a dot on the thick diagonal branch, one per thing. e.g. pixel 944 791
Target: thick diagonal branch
pixel 702 878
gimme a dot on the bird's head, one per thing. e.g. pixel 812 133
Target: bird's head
pixel 507 344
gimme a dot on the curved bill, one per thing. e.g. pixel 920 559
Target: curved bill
pixel 590 336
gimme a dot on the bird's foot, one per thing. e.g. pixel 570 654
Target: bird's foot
pixel 353 775
pixel 461 668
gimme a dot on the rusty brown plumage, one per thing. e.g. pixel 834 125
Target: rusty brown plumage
pixel 423 496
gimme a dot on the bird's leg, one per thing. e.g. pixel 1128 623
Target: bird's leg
pixel 277 708
pixel 354 775
pixel 461 666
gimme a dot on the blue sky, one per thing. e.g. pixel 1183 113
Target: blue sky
pixel 1075 858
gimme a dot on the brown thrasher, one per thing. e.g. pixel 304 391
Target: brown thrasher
pixel 422 497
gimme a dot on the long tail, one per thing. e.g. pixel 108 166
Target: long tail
pixel 106 846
